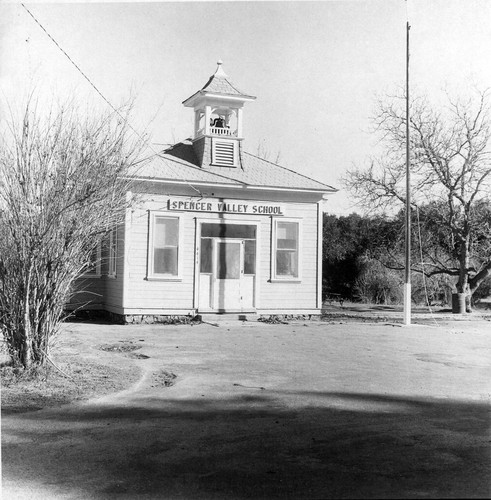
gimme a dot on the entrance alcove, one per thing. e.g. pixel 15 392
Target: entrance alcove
pixel 227 270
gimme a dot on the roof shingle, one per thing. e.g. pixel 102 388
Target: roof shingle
pixel 179 163
pixel 220 83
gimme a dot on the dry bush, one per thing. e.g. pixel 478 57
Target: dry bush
pixel 64 184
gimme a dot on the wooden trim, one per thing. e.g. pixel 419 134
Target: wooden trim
pixel 97 273
pixel 224 220
pixel 274 278
pixel 197 262
pixel 319 254
pixel 158 311
pixel 126 251
pixel 290 311
pixel 151 276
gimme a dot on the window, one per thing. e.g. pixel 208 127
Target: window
pixel 221 230
pixel 286 250
pixel 112 253
pixel 245 232
pixel 164 258
pixel 94 264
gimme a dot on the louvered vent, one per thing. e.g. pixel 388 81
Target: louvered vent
pixel 224 153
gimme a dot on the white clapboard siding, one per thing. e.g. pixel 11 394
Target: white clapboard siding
pixel 133 291
pixel 285 295
pixel 114 285
pixel 89 294
pixel 143 293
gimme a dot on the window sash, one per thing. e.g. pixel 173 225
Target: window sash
pixel 94 270
pixel 112 252
pixel 164 254
pixel 165 261
pixel 286 252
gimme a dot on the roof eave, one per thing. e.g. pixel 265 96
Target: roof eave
pixel 160 180
pixel 328 191
pixel 190 100
pixel 237 185
pixel 202 94
pixel 237 97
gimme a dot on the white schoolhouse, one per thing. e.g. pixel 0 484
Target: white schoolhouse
pixel 215 229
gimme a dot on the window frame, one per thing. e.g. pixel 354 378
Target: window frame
pixel 229 219
pixel 151 275
pixel 112 253
pixel 211 238
pixel 274 231
pixel 97 270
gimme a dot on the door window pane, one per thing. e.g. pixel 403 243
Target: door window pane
pixel 250 257
pixel 221 230
pixel 228 261
pixel 165 245
pixel 206 255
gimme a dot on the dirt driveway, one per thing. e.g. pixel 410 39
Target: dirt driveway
pixel 299 411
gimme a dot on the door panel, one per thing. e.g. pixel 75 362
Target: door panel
pixel 228 260
pixel 205 291
pixel 228 274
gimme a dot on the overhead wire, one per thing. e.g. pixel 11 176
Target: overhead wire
pixel 422 268
pixel 125 119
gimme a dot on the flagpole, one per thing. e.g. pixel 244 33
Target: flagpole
pixel 407 281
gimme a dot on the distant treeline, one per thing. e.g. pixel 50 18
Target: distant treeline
pixel 363 260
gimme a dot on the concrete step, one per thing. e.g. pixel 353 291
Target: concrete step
pixel 218 317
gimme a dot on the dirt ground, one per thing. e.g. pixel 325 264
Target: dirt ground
pixel 308 410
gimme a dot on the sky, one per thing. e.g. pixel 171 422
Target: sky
pixel 316 68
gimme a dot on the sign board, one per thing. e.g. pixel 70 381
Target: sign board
pixel 229 207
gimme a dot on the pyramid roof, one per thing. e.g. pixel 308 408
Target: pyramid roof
pixel 179 164
pixel 220 84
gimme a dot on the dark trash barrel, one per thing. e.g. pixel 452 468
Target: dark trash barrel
pixel 458 303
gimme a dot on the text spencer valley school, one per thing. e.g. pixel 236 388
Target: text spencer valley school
pixel 217 206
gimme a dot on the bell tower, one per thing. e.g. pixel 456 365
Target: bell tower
pixel 218 121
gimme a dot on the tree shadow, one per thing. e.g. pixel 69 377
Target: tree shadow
pixel 261 444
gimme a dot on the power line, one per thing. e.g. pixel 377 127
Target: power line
pixel 71 60
pixel 99 92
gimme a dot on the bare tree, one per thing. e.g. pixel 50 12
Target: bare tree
pixel 451 180
pixel 265 153
pixel 63 185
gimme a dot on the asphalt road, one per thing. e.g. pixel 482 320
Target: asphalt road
pixel 299 411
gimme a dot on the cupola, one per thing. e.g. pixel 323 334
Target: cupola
pixel 218 121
